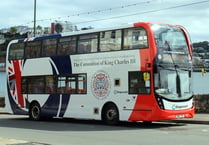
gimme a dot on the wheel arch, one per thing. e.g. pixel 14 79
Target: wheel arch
pixel 106 105
pixel 33 102
pixel 32 105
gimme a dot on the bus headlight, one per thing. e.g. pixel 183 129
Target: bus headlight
pixel 161 91
pixel 159 57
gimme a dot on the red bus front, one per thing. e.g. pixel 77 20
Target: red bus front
pixel 169 62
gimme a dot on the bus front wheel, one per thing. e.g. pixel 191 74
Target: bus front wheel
pixel 35 111
pixel 110 114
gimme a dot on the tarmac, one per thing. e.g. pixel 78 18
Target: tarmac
pixel 9 141
pixel 200 118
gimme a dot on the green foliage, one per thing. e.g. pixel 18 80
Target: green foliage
pixel 13 30
pixel 199 45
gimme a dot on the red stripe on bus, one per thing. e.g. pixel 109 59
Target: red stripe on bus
pixel 16 65
pixel 10 69
pixel 144 61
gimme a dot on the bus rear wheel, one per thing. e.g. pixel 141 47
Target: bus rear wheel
pixel 35 111
pixel 110 114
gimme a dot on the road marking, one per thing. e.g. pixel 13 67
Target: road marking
pixel 205 130
pixel 4 141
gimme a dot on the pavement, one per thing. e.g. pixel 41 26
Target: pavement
pixel 200 118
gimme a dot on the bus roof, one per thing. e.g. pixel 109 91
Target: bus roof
pixel 50 36
pixel 70 33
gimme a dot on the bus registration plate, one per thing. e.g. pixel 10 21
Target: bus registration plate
pixel 180 116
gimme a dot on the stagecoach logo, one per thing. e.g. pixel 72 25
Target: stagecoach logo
pixel 101 85
pixel 177 107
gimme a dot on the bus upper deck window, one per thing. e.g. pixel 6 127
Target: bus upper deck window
pixel 16 51
pixel 33 49
pixel 135 38
pixel 49 47
pixel 110 40
pixel 66 46
pixel 88 43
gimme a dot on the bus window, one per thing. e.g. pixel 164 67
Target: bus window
pixel 35 85
pixel 33 49
pixel 71 85
pixel 61 84
pixel 87 43
pixel 24 84
pixel 67 84
pixel 66 45
pixel 135 38
pixel 110 40
pixel 139 82
pixel 16 51
pixel 49 47
pixel 81 84
pixel 50 84
pixel 75 84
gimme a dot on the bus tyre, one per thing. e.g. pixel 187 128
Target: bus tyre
pixel 35 111
pixel 147 123
pixel 110 114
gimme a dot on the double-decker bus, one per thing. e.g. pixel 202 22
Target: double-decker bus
pixel 136 72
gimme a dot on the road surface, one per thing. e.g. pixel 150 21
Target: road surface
pixel 84 132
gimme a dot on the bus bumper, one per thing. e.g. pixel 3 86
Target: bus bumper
pixel 159 114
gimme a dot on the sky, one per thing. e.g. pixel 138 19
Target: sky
pixel 192 14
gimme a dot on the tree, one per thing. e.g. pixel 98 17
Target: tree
pixel 39 27
pixel 13 30
pixel 204 44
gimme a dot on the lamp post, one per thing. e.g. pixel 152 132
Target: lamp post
pixel 34 27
